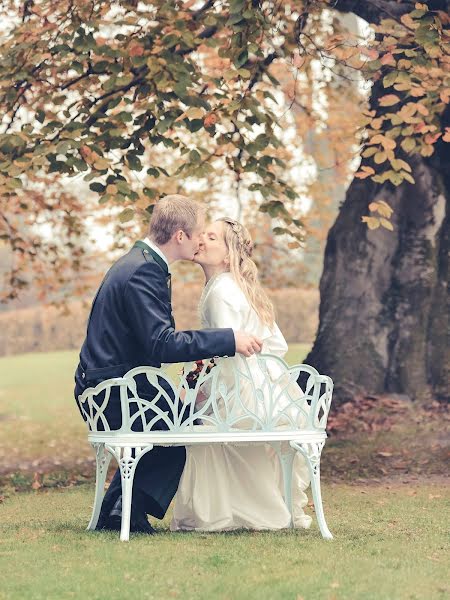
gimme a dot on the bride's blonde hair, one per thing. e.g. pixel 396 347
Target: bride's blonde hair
pixel 244 270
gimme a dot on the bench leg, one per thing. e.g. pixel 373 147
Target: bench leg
pixel 103 458
pixel 312 451
pixel 127 465
pixel 286 461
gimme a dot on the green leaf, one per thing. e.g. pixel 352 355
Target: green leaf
pixel 150 192
pixel 133 162
pixel 390 78
pixel 245 73
pixel 194 156
pixel 126 215
pixel 408 144
pixel 408 177
pixel 369 152
pixel 235 19
pixel 97 187
pixel 241 59
pixel 236 6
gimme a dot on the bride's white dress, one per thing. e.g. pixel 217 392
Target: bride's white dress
pixel 233 487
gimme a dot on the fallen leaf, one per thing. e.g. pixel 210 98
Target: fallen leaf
pixel 37 481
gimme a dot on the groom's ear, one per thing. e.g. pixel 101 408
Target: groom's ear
pixel 178 236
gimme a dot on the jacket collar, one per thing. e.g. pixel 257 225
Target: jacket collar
pixel 149 248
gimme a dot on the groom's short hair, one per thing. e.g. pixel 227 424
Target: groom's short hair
pixel 172 213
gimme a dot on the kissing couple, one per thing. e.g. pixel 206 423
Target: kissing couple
pixel 216 487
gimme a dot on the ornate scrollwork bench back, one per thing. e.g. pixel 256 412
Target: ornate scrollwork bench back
pixel 242 401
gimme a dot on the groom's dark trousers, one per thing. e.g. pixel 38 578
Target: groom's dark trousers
pixel 130 325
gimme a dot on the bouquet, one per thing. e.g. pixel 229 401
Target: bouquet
pixel 192 376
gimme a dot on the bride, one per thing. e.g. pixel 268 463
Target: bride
pixel 230 487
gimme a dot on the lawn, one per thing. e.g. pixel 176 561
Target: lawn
pixel 390 543
pixel 389 531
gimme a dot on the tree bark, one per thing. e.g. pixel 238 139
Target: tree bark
pixel 384 310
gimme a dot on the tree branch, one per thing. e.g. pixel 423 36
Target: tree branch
pixel 373 11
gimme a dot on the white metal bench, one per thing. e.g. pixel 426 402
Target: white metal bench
pixel 248 401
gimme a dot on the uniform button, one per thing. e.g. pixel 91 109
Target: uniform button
pixel 83 375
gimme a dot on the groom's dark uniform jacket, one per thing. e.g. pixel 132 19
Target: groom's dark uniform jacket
pixel 130 325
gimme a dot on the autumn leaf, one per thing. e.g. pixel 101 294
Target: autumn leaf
pixel 126 215
pixel 135 49
pixel 398 164
pixel 37 481
pixel 431 139
pixel 370 53
pixel 386 224
pixel 365 172
pixel 445 95
pixel 382 207
pixel 387 143
pixel 388 100
pixel 388 59
pixel 372 222
pixel 85 152
pixel 210 119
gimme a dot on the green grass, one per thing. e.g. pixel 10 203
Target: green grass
pixel 389 538
pixel 38 413
pixel 389 543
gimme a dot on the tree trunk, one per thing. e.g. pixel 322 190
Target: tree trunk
pixel 384 310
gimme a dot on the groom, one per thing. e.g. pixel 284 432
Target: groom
pixel 130 325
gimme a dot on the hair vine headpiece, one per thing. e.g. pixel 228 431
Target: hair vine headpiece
pixel 246 245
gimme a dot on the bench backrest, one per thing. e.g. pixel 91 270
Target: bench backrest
pixel 260 393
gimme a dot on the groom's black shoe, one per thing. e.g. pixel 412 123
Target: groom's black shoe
pixel 138 521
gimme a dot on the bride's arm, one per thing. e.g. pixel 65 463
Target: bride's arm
pixel 224 305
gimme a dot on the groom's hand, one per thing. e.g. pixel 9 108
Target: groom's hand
pixel 247 344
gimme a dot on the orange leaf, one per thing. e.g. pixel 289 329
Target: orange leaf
pixel 136 50
pixel 370 52
pixel 422 109
pixel 210 119
pixel 417 91
pixel 388 100
pixel 445 95
pixel 388 59
pixel 430 139
pixel 365 172
pixel 37 481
